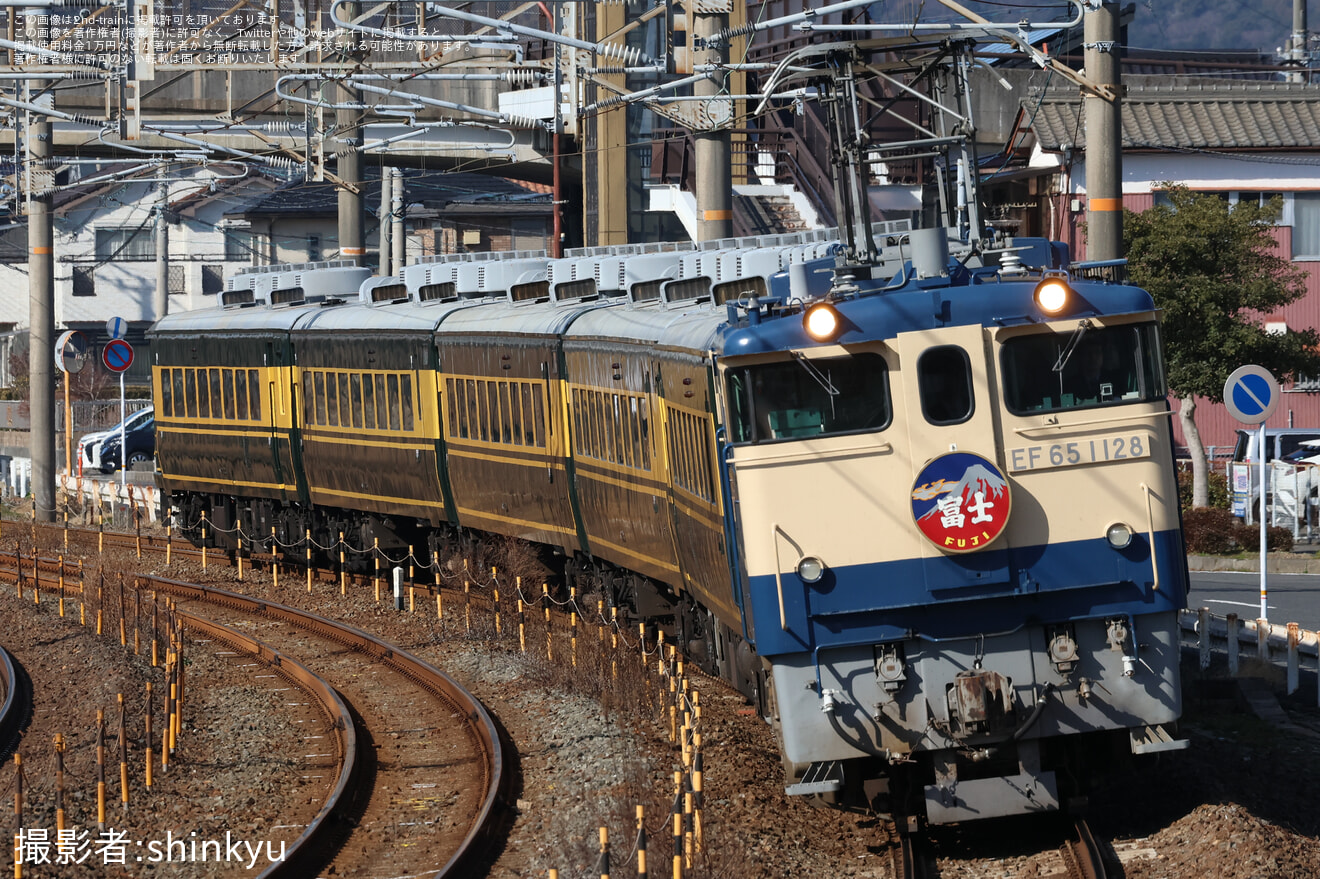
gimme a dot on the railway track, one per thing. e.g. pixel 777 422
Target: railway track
pixel 15 704
pixel 307 853
pixel 1082 853
pixel 430 772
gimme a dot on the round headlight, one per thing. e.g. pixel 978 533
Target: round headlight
pixel 1052 295
pixel 811 569
pixel 1118 535
pixel 821 321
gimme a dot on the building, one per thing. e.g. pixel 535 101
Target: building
pixel 1240 140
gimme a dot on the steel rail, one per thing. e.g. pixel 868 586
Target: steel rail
pixel 425 675
pixel 307 853
pixel 13 710
pixel 1082 855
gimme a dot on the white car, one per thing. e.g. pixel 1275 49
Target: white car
pixel 89 458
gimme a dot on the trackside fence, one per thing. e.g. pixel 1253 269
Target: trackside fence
pixel 1288 645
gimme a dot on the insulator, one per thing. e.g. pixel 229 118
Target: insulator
pixel 611 71
pixel 627 54
pixel 283 127
pixel 612 101
pixel 513 121
pixel 284 162
pixel 523 77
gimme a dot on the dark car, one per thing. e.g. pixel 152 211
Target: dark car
pixel 139 437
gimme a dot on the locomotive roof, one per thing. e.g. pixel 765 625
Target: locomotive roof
pixel 990 302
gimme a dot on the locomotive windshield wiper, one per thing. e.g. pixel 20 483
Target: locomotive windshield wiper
pixel 1066 354
pixel 815 373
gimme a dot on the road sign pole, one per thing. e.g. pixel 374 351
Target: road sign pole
pixel 123 440
pixel 1264 551
pixel 1251 395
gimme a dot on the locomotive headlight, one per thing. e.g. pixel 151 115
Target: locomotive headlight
pixel 821 321
pixel 810 569
pixel 1052 295
pixel 1119 535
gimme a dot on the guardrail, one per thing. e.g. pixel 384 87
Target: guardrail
pixel 1272 643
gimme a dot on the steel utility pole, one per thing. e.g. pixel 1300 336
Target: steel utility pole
pixel 398 236
pixel 385 228
pixel 41 310
pixel 714 181
pixel 1296 56
pixel 161 301
pixel 1104 134
pixel 348 131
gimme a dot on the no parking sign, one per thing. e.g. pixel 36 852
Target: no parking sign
pixel 117 355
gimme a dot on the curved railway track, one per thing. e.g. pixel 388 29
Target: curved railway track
pixel 428 796
pixel 307 853
pixel 15 704
pixel 425 799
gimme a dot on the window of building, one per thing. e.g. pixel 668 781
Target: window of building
pixel 213 279
pixel 1306 225
pixel 240 245
pixel 84 281
pixel 126 244
pixel 177 283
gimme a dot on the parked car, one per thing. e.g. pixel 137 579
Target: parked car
pixel 1280 442
pixel 100 450
pixel 1292 472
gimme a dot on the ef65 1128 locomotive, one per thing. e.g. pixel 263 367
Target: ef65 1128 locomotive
pixel 911 493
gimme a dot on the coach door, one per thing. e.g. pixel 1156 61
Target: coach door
pixel 960 495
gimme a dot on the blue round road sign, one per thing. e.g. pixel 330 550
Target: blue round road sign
pixel 117 355
pixel 1251 394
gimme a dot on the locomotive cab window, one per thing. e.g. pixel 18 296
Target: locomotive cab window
pixel 944 378
pixel 801 398
pixel 1087 368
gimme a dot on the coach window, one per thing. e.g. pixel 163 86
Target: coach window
pixel 369 403
pixel 319 397
pixel 406 400
pixel 227 378
pixel 181 408
pixel 382 404
pixel 217 404
pixel 475 427
pixel 452 407
pixel 240 395
pixel 308 399
pixel 355 392
pixel 254 393
pixel 166 394
pixel 794 399
pixel 203 396
pixel 331 400
pixel 944 379
pixel 345 401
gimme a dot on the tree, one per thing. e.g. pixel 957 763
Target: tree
pixel 1216 272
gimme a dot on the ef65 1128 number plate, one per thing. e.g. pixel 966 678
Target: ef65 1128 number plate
pixel 1086 451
